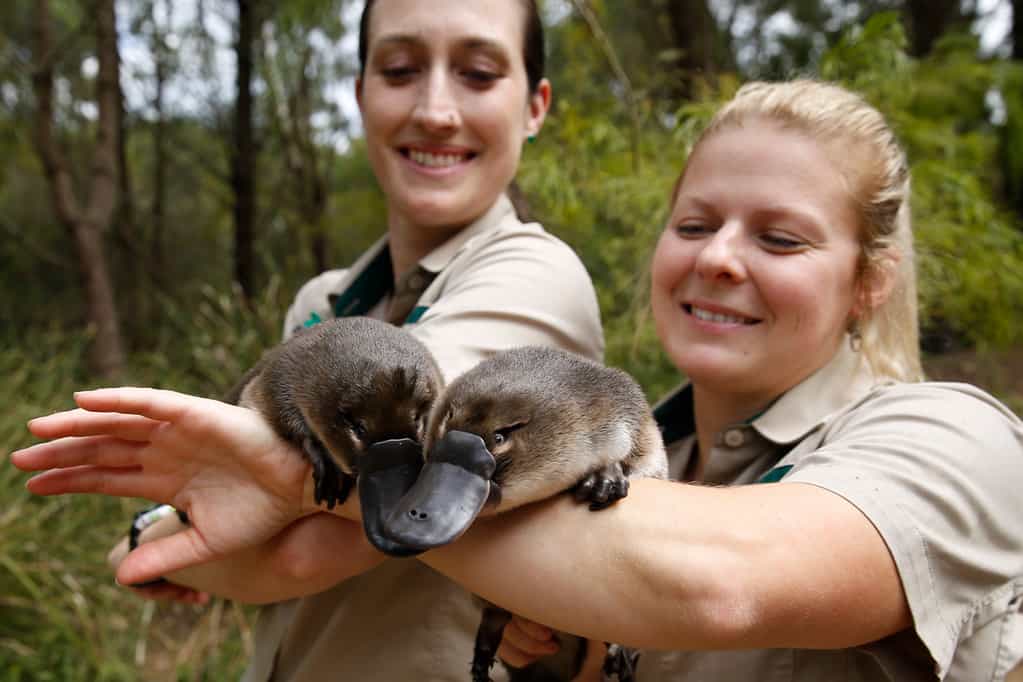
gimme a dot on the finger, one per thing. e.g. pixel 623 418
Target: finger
pixel 84 423
pixel 513 656
pixel 125 482
pixel 102 451
pixel 161 557
pixel 534 639
pixel 531 628
pixel 593 663
pixel 155 403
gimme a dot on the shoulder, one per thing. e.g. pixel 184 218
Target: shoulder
pixel 954 409
pixel 311 303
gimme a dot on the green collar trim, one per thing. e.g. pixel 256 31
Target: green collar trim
pixel 416 314
pixel 775 474
pixel 367 289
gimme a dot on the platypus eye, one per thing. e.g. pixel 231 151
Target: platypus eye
pixel 501 435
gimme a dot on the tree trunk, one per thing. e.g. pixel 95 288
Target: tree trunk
pixel 159 140
pixel 928 20
pixel 244 157
pixel 87 223
pixel 1017 30
pixel 699 42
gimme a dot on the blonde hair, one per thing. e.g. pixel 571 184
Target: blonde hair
pixel 865 150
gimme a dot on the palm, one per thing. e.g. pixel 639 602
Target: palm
pixel 238 481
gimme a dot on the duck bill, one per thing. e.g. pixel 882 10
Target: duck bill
pixel 387 471
pixel 448 495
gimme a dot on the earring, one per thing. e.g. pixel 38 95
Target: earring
pixel 855 336
pixel 531 139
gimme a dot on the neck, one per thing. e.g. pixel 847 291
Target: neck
pixel 409 243
pixel 715 411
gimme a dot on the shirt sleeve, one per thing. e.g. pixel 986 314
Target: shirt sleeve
pixel 522 288
pixel 938 470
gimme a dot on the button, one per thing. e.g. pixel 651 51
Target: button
pixel 734 438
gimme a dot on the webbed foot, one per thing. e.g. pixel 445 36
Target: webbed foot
pixel 602 487
pixel 488 639
pixel 620 664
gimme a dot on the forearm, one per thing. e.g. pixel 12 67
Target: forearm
pixel 681 566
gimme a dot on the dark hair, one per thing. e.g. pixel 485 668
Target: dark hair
pixel 532 47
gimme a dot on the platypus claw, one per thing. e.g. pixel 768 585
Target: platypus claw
pixel 602 487
pixel 331 485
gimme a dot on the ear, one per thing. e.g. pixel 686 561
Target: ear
pixel 358 93
pixel 876 284
pixel 539 104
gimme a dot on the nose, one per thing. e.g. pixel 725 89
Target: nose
pixel 721 258
pixel 437 109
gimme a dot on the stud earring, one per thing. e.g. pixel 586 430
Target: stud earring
pixel 531 139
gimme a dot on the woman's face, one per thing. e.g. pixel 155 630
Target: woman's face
pixel 446 106
pixel 755 277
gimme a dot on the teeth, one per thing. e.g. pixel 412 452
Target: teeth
pixel 719 318
pixel 435 160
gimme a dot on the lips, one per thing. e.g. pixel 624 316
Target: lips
pixel 437 158
pixel 718 316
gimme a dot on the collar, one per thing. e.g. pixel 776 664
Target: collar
pixel 807 405
pixel 440 257
pixel 790 417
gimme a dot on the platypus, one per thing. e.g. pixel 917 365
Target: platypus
pixel 522 426
pixel 348 392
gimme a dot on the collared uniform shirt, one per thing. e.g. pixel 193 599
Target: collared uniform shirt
pixel 937 468
pixel 497 284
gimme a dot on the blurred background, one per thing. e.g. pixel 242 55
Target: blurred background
pixel 172 171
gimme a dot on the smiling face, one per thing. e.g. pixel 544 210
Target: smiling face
pixel 446 106
pixel 755 277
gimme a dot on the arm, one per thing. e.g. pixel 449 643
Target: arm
pixel 681 566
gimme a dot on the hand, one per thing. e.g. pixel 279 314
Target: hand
pixel 239 483
pixel 524 641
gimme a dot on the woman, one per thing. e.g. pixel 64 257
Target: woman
pixel 449 92
pixel 858 524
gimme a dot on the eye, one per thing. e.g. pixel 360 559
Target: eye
pixel 356 426
pixel 480 78
pixel 502 435
pixel 693 230
pixel 398 74
pixel 781 242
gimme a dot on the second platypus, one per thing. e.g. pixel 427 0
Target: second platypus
pixel 522 426
pixel 341 391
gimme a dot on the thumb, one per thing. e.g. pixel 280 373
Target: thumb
pixel 164 556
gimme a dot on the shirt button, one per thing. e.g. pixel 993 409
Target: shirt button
pixel 734 438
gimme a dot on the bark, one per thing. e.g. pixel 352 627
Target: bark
pixel 87 221
pixel 244 157
pixel 159 144
pixel 1017 30
pixel 929 20
pixel 699 42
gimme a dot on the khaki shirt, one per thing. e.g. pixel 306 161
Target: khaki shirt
pixel 937 468
pixel 497 284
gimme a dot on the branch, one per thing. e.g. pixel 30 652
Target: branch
pixel 631 101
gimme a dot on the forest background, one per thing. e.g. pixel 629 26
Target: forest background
pixel 174 169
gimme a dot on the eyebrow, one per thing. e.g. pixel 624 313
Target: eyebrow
pixel 469 43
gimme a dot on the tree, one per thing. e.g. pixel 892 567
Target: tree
pixel 88 220
pixel 243 156
pixel 928 20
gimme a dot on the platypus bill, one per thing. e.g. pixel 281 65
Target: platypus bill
pixel 523 426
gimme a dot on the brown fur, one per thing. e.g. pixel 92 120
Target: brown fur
pixel 343 385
